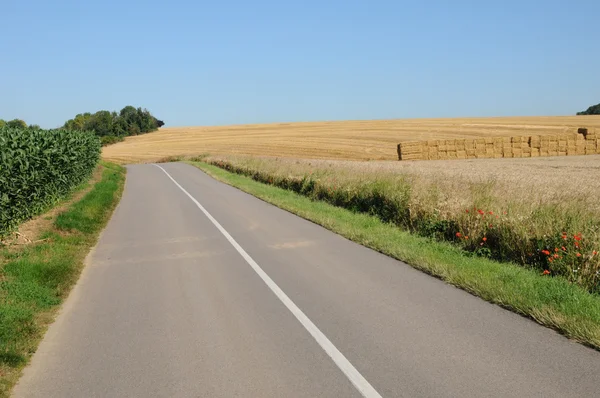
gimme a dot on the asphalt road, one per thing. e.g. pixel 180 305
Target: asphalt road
pixel 252 301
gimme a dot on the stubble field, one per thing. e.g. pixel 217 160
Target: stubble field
pixel 347 140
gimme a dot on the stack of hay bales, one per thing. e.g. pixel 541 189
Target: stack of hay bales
pixel 535 144
pixel 583 142
pixel 411 150
pixel 591 141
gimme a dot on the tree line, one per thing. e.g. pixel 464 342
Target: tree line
pixel 109 126
pixel 592 110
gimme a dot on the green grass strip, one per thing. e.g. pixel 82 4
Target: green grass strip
pixel 35 280
pixel 551 301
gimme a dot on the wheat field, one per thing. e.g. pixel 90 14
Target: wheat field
pixel 348 140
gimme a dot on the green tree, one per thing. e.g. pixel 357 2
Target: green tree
pixel 2 123
pixel 592 110
pixel 17 123
pixel 34 127
pixel 101 123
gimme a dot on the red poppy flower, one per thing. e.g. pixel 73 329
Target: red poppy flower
pixel 578 254
pixel 577 237
pixel 546 272
pixel 481 212
pixel 555 255
pixel 484 239
pixel 564 248
pixel 458 234
pixel 467 210
pixel 491 212
pixel 546 252
pixel 556 249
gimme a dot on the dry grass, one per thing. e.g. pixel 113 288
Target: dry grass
pixel 351 140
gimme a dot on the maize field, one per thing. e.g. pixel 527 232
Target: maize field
pixel 38 167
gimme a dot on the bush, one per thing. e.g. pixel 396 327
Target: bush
pixel 111 139
pixel 37 167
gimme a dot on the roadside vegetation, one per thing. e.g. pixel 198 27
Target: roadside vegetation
pixel 537 259
pixel 35 278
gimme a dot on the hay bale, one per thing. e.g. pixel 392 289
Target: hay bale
pixel 432 143
pixel 516 140
pixel 461 154
pixel 480 141
pixel 598 146
pixel 590 147
pixel 561 153
pixel 452 155
pixel 469 144
pixel 535 152
pixel 571 150
pixel 535 141
pixel 506 140
pixel 434 156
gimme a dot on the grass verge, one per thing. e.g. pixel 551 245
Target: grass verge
pixel 35 280
pixel 552 302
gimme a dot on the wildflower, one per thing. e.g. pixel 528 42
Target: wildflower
pixel 550 259
pixel 467 210
pixel 564 237
pixel 578 254
pixel 481 244
pixel 577 245
pixel 458 234
pixel 564 249
pixel 555 255
pixel 484 239
pixel 491 226
pixel 546 272
pixel 577 237
pixel 481 212
pixel 594 253
pixel 556 249
pixel 466 237
pixel 491 212
pixel 497 216
pixel 546 252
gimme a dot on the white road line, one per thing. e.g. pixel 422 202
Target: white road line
pixel 361 384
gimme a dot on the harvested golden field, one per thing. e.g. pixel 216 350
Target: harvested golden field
pixel 351 140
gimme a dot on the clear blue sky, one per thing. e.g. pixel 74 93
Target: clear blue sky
pixel 234 61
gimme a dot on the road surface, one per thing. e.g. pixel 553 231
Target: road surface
pixel 197 289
